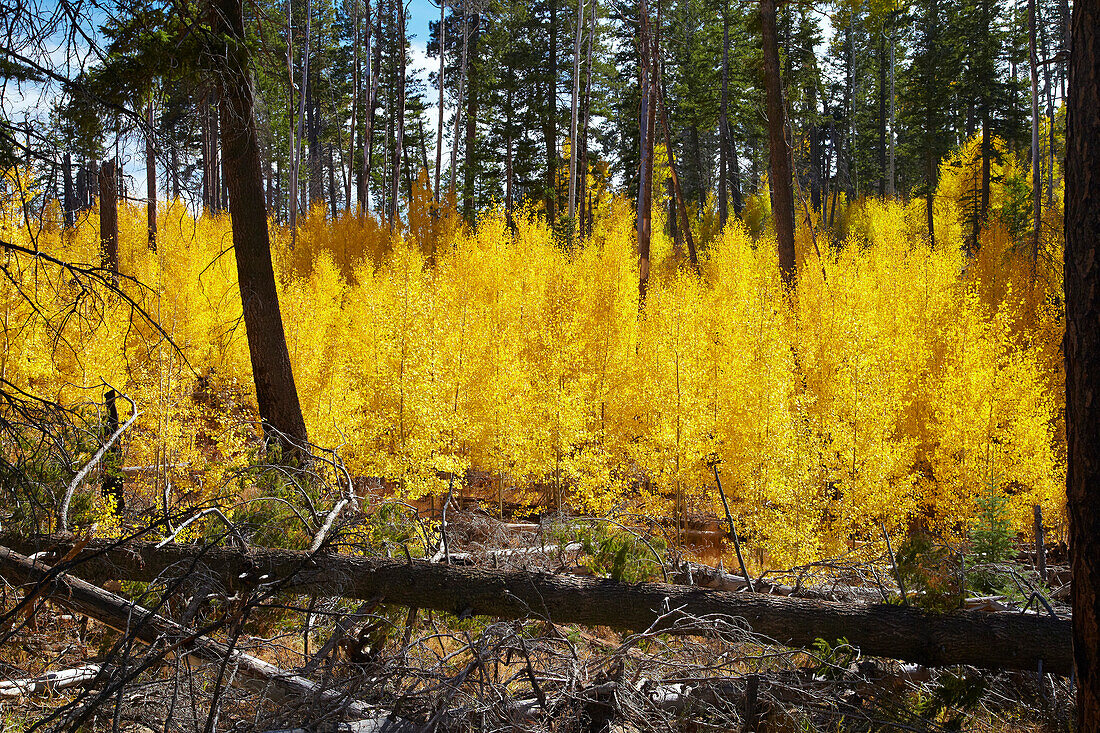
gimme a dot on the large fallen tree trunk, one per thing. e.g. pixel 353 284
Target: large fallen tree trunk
pixel 991 640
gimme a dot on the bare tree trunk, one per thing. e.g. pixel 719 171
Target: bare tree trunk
pixel 399 115
pixel 724 124
pixel 583 183
pixel 469 144
pixel 509 168
pixel 645 177
pixel 151 179
pixel 1036 174
pixel 681 205
pixel 458 107
pixel 108 217
pixel 296 150
pixel 355 96
pixel 315 178
pixel 550 124
pixel 69 203
pixel 574 108
pixel 276 394
pixel 1082 351
pixel 373 63
pixel 890 178
pixel 779 170
pixel 442 87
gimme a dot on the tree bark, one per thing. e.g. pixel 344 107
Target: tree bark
pixel 574 107
pixel 442 86
pixel 356 83
pixel 677 190
pixel 646 119
pixel 373 63
pixel 990 640
pixel 458 107
pixel 1036 176
pixel 276 394
pixel 779 169
pixel 399 115
pixel 108 217
pixel 1082 351
pixel 151 179
pixel 469 204
pixel 550 124
pixel 723 124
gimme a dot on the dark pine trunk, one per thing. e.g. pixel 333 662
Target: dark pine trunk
pixel 1082 350
pixel 779 169
pixel 276 394
pixel 108 217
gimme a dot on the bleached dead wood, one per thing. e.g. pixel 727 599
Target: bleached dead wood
pixel 59 680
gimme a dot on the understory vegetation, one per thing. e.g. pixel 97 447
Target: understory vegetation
pixel 888 392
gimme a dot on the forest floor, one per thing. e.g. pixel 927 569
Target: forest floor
pixel 424 670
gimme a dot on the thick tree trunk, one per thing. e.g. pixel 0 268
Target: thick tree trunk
pixel 276 394
pixel 779 169
pixel 1082 350
pixel 991 640
pixel 108 217
pixel 69 202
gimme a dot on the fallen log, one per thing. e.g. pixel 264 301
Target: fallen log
pixel 150 628
pixel 50 681
pixel 990 640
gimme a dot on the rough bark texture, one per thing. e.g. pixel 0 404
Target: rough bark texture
pixel 1082 348
pixel 1012 641
pixel 276 394
pixel 779 168
pixel 108 216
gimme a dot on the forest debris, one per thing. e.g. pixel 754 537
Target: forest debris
pixel 59 680
pixel 998 640
pixel 150 628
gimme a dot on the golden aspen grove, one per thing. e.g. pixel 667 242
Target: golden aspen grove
pixel 897 383
pixel 549 366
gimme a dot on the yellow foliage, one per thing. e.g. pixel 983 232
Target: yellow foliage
pixel 888 390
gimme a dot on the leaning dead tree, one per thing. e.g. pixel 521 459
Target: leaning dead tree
pixel 998 641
